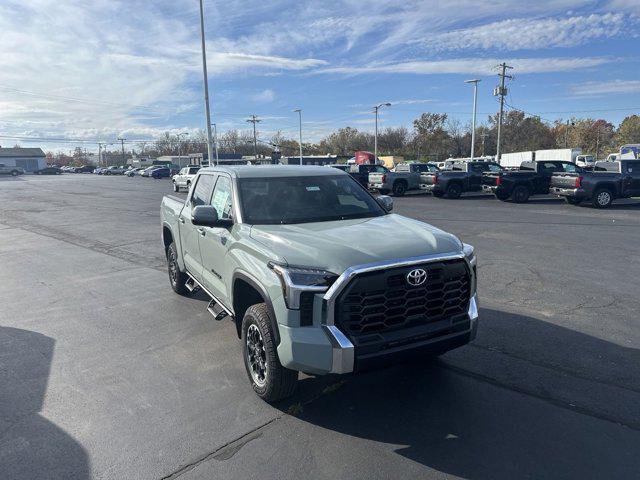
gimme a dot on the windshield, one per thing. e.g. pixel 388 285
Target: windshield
pixel 305 199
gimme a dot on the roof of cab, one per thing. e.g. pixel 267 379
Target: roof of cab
pixel 273 171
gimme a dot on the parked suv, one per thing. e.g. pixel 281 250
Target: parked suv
pixel 317 274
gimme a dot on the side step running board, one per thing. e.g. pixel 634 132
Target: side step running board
pixel 216 310
pixel 191 285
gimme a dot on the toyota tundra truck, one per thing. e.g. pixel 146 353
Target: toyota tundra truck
pixel 608 181
pixel 317 275
pixel 406 176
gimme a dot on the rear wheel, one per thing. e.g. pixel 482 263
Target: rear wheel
pixel 383 191
pixel 177 278
pixel 602 198
pixel 14 173
pixel 573 200
pixel 269 379
pixel 437 194
pixel 454 190
pixel 399 189
pixel 520 194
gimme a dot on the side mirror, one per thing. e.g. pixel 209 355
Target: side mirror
pixel 385 202
pixel 207 216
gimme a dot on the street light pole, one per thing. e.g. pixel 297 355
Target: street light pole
pixel 473 121
pixel 206 84
pixel 375 138
pixel 300 123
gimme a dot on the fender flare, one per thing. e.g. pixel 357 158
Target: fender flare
pixel 241 275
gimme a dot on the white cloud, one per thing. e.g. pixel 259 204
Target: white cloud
pixel 606 88
pixel 530 33
pixel 477 66
pixel 265 96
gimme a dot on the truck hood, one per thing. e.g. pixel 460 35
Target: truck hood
pixel 335 246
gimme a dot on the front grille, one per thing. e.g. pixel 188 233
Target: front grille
pixel 383 301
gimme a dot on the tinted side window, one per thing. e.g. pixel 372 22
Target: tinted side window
pixel 222 199
pixel 202 190
pixel 633 167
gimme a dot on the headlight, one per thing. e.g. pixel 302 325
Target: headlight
pixel 296 280
pixel 469 252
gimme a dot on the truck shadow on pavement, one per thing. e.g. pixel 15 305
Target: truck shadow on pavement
pixel 31 447
pixel 458 423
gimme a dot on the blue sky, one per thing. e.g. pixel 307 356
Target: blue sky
pixel 95 70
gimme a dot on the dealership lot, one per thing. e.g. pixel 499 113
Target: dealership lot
pixel 105 373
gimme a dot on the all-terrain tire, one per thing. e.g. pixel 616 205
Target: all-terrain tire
pixel 177 278
pixel 399 189
pixel 454 190
pixel 260 354
pixel 602 198
pixel 520 194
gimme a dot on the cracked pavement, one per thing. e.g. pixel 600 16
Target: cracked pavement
pixel 106 374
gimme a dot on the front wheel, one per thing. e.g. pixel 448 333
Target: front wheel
pixel 14 173
pixel 269 379
pixel 177 278
pixel 602 198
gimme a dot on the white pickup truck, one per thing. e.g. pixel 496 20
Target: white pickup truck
pixel 184 178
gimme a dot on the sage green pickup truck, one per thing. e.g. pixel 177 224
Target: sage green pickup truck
pixel 317 274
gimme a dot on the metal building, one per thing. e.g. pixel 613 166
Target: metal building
pixel 31 159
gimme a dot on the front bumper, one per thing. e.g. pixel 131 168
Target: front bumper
pixel 326 349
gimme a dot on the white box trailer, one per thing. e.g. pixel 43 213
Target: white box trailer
pixel 515 159
pixel 562 154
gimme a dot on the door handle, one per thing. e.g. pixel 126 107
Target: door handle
pixel 181 220
pixel 202 232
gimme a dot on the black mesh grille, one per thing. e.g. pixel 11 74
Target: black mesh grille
pixel 383 301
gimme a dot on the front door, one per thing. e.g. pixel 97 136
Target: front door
pixel 214 242
pixel 190 233
pixel 632 176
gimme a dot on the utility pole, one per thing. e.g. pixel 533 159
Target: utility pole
pixel 473 121
pixel 99 153
pixel 254 119
pixel 180 135
pixel 123 157
pixel 566 133
pixel 300 123
pixel 206 84
pixel 501 92
pixel 484 136
pixel 375 138
pixel 215 140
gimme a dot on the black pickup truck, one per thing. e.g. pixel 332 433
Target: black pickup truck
pixel 532 178
pixel 608 181
pixel 460 177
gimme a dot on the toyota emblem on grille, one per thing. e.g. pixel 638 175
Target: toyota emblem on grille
pixel 417 277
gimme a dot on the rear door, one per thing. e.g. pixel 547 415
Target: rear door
pixel 189 233
pixel 631 178
pixel 475 176
pixel 214 242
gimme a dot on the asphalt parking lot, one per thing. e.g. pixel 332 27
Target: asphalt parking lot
pixel 105 373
